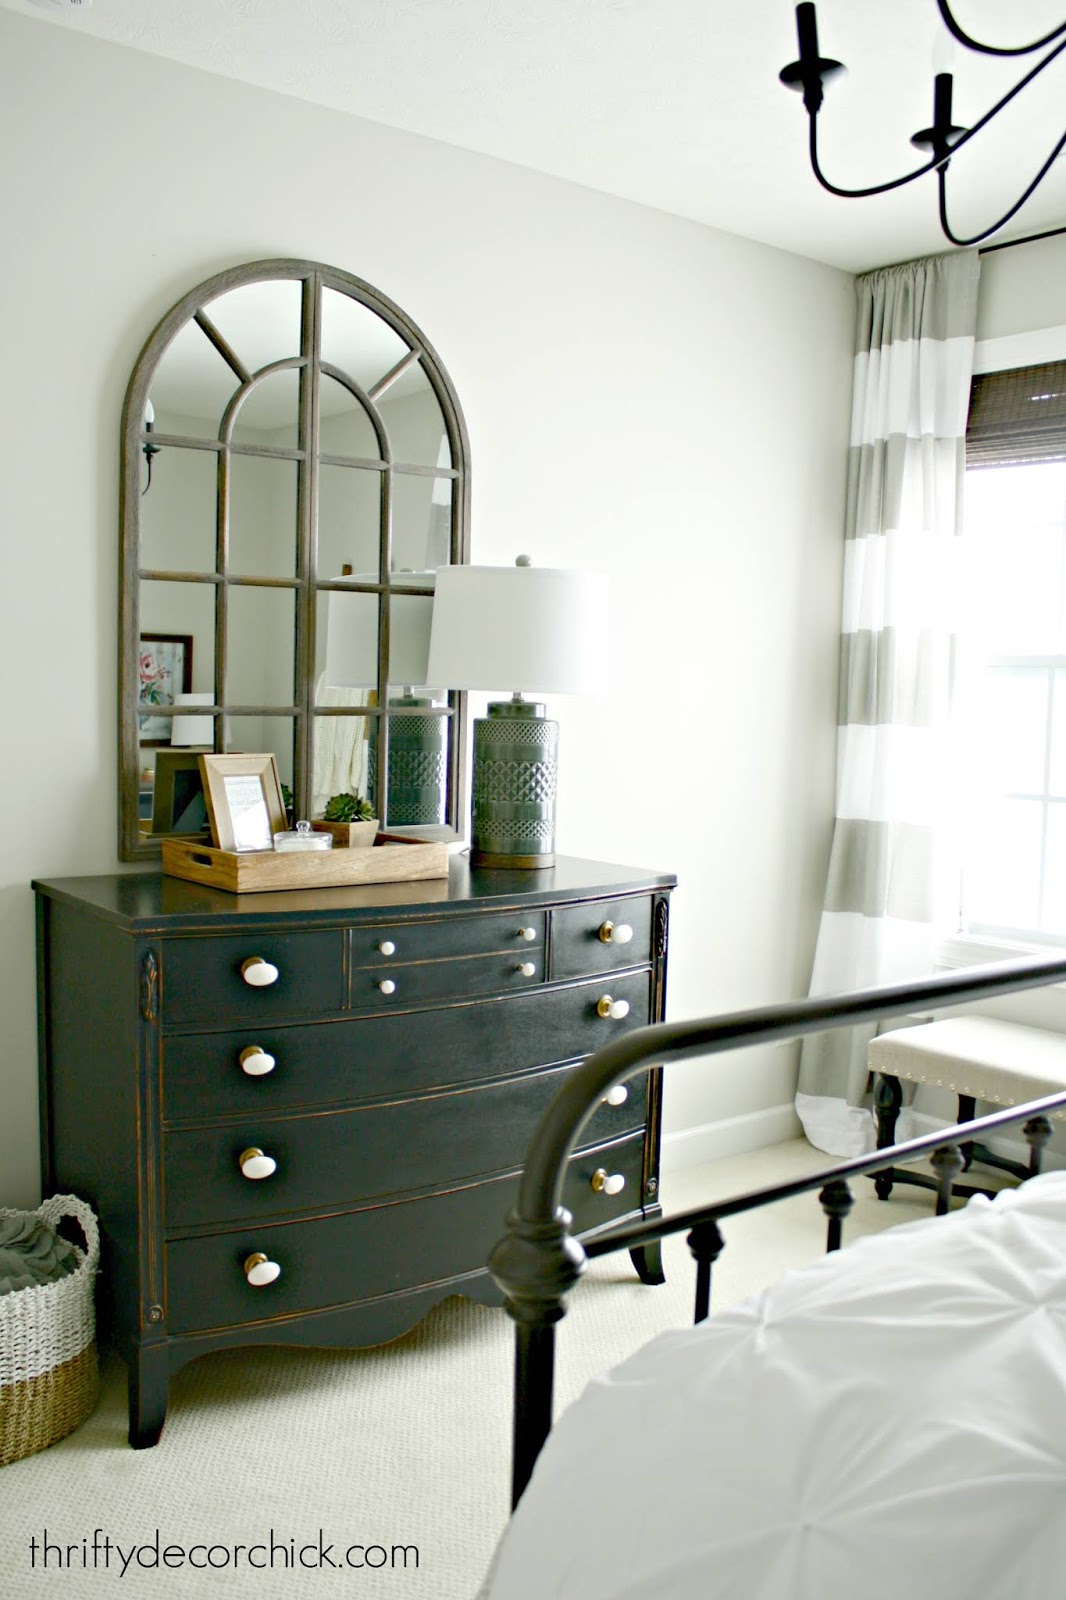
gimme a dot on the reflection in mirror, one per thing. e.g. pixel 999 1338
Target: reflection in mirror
pixel 345 428
pixel 260 636
pixel 264 736
pixel 192 386
pixel 260 322
pixel 356 339
pixel 349 520
pixel 268 415
pixel 178 511
pixel 262 516
pixel 421 521
pixel 412 414
pixel 417 764
pixel 266 517
pixel 342 756
pixel 186 611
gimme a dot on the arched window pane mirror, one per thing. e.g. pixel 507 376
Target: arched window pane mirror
pixel 295 468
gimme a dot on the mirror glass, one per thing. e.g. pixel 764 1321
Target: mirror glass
pixel 263 493
pixel 294 471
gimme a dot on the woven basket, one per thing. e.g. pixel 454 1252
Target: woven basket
pixel 49 1378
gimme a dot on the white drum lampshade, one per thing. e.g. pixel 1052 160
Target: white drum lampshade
pixel 190 729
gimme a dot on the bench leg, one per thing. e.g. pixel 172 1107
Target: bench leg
pixel 967 1112
pixel 947 1164
pixel 1037 1133
pixel 888 1097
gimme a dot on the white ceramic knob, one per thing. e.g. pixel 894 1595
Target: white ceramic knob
pixel 387 948
pixel 255 1164
pixel 260 1270
pixel 259 973
pixel 615 932
pixel 528 934
pixel 616 1096
pixel 605 1182
pixel 606 1007
pixel 387 986
pixel 527 968
pixel 255 1061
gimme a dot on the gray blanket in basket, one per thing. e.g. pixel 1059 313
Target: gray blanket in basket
pixel 32 1253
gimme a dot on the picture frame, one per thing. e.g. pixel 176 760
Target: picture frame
pixel 179 804
pixel 164 669
pixel 244 804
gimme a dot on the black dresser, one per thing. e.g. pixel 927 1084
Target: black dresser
pixel 300 1116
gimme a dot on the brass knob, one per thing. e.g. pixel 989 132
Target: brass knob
pixel 255 1061
pixel 606 1007
pixel 259 973
pixel 387 948
pixel 526 968
pixel 254 1164
pixel 605 1182
pixel 528 934
pixel 615 932
pixel 616 1096
pixel 260 1270
pixel 387 986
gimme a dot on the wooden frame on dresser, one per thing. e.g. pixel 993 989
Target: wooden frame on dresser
pixel 319 1158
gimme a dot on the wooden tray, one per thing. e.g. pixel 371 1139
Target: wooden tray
pixel 391 859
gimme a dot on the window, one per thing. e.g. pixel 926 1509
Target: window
pixel 1011 683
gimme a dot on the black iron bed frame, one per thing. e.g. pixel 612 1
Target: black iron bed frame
pixel 538 1260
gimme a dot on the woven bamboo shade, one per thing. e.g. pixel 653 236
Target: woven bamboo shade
pixel 1017 416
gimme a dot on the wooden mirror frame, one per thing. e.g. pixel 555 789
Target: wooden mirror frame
pixel 135 844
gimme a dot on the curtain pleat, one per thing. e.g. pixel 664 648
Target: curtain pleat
pixel 913 367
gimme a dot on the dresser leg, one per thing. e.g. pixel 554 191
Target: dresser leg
pixel 149 1382
pixel 648 1260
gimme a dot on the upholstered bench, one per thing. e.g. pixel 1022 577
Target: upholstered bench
pixel 976 1058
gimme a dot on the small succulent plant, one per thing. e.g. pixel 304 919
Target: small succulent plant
pixel 348 808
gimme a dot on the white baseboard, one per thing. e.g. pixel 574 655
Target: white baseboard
pixel 731 1136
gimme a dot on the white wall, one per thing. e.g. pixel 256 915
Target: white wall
pixel 642 394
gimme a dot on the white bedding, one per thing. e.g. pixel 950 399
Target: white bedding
pixel 889 1421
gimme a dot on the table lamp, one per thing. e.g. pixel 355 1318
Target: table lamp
pixel 536 629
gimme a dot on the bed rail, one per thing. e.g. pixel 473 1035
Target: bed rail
pixel 538 1260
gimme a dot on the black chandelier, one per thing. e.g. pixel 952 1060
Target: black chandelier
pixel 813 71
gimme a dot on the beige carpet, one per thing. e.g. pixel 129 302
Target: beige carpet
pixel 404 1445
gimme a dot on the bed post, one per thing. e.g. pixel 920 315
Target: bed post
pixel 535 1264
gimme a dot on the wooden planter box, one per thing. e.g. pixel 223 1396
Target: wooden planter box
pixel 349 835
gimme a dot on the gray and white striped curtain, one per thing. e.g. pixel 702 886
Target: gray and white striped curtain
pixel 913 363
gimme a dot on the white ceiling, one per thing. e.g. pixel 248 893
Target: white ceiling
pixel 672 103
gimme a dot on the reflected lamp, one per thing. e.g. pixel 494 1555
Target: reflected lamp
pixel 189 729
pixel 535 630
pixel 417 743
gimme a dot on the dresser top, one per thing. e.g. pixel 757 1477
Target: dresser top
pixel 141 901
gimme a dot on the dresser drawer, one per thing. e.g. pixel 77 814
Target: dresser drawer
pixel 395 985
pixel 380 1250
pixel 360 1059
pixel 592 938
pixel 520 932
pixel 349 1156
pixel 202 979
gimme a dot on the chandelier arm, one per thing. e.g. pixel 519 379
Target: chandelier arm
pixel 859 194
pixel 992 49
pixel 1005 218
pixel 929 166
